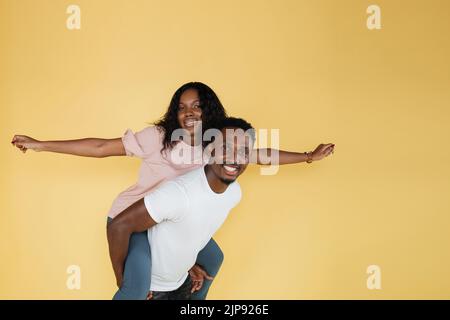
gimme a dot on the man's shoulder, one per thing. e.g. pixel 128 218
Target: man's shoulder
pixel 188 180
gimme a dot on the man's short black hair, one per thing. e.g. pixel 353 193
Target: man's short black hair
pixel 231 122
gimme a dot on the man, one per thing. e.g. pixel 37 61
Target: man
pixel 183 214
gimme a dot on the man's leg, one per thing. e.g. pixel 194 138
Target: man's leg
pixel 137 271
pixel 183 292
pixel 210 258
pixel 160 295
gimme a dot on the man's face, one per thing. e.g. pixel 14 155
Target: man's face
pixel 231 154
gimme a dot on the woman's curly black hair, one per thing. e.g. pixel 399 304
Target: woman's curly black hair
pixel 212 111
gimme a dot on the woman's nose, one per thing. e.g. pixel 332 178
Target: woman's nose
pixel 188 111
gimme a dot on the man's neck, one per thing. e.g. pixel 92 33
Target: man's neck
pixel 214 182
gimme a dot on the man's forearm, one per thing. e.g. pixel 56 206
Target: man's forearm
pixel 118 239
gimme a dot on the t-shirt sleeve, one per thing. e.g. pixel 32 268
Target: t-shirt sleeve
pixel 142 143
pixel 236 195
pixel 168 201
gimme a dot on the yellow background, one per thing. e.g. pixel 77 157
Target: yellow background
pixel 310 68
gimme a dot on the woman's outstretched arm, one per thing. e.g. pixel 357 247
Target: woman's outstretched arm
pixel 87 147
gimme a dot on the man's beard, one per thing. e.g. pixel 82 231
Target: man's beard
pixel 226 181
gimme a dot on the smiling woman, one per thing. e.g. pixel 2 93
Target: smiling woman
pixel 192 102
pixel 189 111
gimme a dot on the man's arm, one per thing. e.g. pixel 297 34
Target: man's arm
pixel 274 156
pixel 135 218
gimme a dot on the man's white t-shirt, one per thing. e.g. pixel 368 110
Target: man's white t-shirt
pixel 188 213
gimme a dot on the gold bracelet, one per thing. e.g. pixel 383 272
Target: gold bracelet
pixel 309 157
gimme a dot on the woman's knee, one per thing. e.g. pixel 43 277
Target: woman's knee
pixel 220 257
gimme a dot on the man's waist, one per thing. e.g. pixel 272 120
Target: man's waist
pixel 166 283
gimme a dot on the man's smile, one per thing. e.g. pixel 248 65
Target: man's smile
pixel 231 169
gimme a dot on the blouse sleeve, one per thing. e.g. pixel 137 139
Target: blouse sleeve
pixel 142 143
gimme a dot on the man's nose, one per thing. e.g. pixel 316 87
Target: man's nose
pixel 232 156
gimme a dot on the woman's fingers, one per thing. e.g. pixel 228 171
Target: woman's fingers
pixel 17 138
pixel 22 148
pixel 21 140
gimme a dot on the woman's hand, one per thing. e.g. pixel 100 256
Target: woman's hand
pixel 24 143
pixel 322 151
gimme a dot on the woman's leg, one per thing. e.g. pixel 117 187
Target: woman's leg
pixel 210 258
pixel 137 271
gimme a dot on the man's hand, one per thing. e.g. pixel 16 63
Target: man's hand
pixel 322 151
pixel 198 275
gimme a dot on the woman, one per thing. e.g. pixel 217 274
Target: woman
pixel 191 103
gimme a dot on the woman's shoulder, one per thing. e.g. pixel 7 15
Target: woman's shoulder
pixel 143 142
pixel 151 135
pixel 153 130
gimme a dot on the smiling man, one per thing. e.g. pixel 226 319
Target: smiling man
pixel 182 215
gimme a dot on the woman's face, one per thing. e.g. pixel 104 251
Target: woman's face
pixel 189 111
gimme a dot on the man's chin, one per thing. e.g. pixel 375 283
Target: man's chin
pixel 227 181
